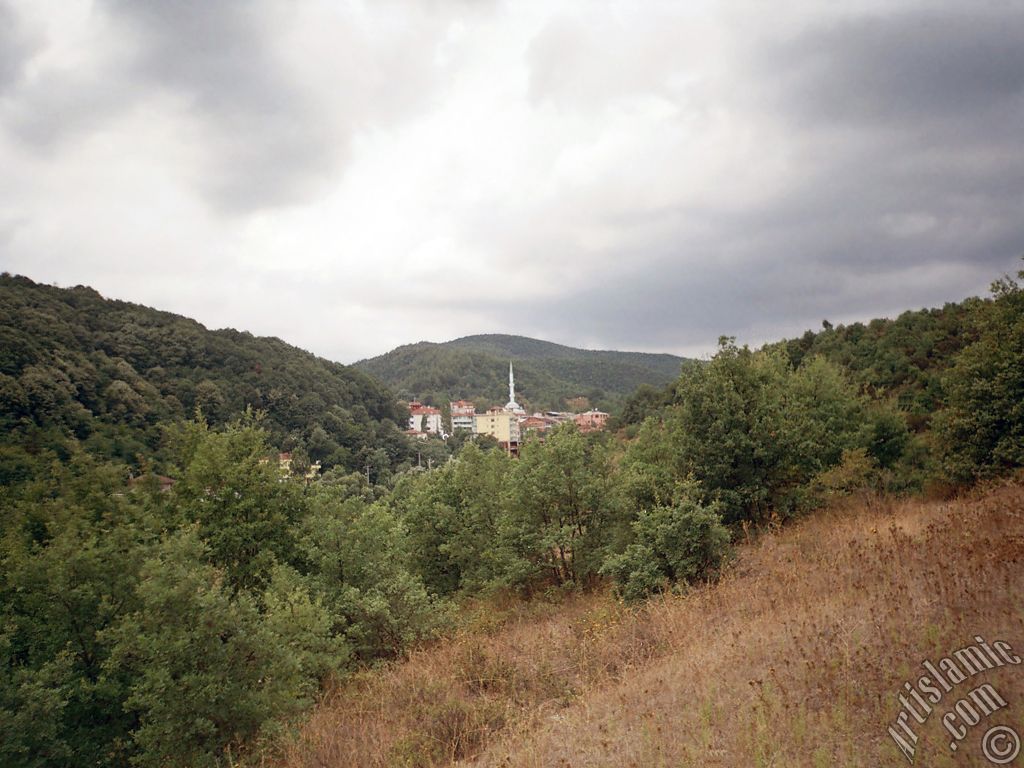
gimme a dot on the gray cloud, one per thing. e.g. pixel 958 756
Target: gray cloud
pixel 910 191
pixel 263 134
pixel 58 106
pixel 16 47
pixel 57 101
pixel 911 65
pixel 642 178
pixel 790 282
pixel 266 140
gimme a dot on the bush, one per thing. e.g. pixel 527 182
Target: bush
pixel 983 428
pixel 208 671
pixel 857 473
pixel 682 543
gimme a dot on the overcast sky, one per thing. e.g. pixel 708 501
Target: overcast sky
pixel 642 175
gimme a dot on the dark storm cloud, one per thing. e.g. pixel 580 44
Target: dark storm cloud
pixel 770 284
pixel 61 106
pixel 54 104
pixel 262 138
pixel 926 65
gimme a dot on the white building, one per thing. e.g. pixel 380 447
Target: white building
pixel 424 418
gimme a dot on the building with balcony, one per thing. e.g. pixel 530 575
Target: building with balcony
pixel 463 414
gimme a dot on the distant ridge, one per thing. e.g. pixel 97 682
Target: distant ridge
pixel 547 374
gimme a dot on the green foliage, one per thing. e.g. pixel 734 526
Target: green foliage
pixel 563 506
pixel 453 516
pixel 856 473
pixel 685 542
pixel 357 555
pixel 32 705
pixel 69 565
pixel 750 430
pixel 243 512
pixel 157 627
pixel 207 668
pixel 884 435
pixel 903 359
pixel 645 401
pixel 983 427
pixel 164 627
pixel 486 521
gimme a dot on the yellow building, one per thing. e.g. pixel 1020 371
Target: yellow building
pixel 499 424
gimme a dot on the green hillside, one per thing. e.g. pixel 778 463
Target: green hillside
pixel 547 374
pixel 79 369
pixel 903 358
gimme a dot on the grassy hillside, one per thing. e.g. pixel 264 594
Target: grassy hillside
pixel 75 366
pixel 547 374
pixel 795 657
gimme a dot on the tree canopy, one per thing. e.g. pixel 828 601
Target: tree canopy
pixel 108 374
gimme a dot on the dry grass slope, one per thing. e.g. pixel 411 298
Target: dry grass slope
pixel 794 659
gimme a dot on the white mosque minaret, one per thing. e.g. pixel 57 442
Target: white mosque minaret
pixel 512 405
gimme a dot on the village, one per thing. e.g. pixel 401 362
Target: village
pixel 509 425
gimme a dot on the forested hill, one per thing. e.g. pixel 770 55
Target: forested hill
pixel 547 374
pixel 903 358
pixel 77 366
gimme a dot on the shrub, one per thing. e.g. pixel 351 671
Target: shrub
pixel 208 671
pixel 681 543
pixel 983 428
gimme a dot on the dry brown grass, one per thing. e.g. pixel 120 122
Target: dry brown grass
pixel 794 658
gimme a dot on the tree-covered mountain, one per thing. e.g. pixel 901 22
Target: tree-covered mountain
pixel 107 375
pixel 547 374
